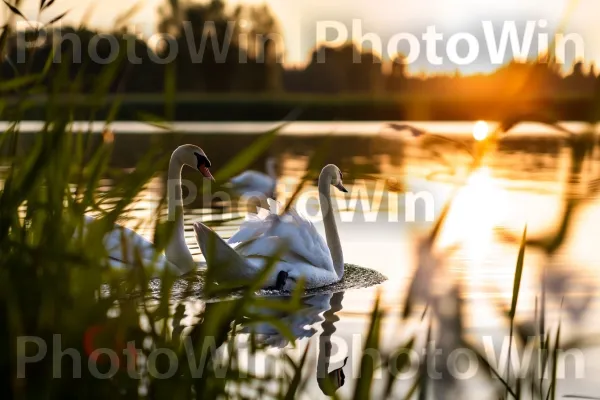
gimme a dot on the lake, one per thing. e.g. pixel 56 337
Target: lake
pixel 520 183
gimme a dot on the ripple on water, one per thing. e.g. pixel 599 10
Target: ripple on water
pixel 191 286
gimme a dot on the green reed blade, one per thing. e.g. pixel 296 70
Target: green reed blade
pixel 368 366
pixel 518 275
pixel 296 383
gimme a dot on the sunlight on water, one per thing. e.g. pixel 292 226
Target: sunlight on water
pixel 478 207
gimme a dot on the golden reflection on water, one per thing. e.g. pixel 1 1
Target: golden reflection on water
pixel 479 206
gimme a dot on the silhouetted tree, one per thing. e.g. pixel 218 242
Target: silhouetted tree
pixel 82 58
pixel 221 51
pixel 396 81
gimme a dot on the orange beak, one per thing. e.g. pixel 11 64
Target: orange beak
pixel 206 173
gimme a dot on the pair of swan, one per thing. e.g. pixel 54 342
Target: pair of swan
pixel 260 237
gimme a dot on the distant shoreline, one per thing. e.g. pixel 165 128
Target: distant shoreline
pixel 342 107
pixel 297 128
pixel 133 139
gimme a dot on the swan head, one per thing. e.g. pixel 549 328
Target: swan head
pixel 194 157
pixel 335 378
pixel 333 174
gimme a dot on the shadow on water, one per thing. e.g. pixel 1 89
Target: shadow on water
pixel 191 286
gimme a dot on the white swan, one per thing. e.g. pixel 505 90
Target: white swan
pixel 123 243
pixel 308 256
pixel 254 182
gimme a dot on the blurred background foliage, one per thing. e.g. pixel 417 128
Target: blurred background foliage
pixel 252 81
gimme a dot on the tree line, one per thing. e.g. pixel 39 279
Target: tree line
pixel 250 61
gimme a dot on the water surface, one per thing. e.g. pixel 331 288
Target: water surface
pixel 522 183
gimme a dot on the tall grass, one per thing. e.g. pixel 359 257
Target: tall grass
pixel 56 279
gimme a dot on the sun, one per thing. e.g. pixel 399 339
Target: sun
pixel 481 130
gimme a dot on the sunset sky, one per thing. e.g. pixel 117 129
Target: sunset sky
pixel 383 17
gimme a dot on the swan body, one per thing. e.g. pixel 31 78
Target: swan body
pixel 254 182
pixel 125 245
pixel 319 262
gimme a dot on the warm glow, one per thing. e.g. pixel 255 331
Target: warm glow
pixel 478 208
pixel 481 130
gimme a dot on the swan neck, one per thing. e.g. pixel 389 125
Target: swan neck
pixel 177 251
pixel 174 191
pixel 331 232
pixel 330 318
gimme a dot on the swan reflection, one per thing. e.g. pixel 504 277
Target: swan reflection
pixel 323 309
pixel 319 309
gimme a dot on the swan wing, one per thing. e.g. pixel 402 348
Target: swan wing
pixel 304 240
pixel 123 243
pixel 303 236
pixel 298 267
pixel 265 247
pixel 305 245
pixel 224 264
pixel 125 246
pixel 254 226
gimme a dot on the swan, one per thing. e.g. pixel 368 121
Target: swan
pixel 122 243
pixel 308 255
pixel 249 182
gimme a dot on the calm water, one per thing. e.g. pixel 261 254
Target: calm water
pixel 522 183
